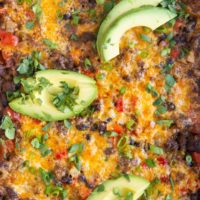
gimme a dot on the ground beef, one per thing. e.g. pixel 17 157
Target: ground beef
pixel 87 36
pixel 59 61
pixel 195 196
pixel 125 164
pixel 193 143
pixel 7 193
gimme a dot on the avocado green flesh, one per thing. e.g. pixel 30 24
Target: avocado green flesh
pixel 148 16
pixel 121 8
pixel 136 185
pixel 46 111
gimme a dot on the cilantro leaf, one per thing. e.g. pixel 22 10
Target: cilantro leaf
pixel 8 126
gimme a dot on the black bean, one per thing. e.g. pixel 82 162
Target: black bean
pixel 83 179
pixel 100 126
pixel 126 78
pixel 67 179
pixel 170 61
pixel 67 16
pixel 88 137
pixel 161 38
pixel 82 127
pixel 191 24
pixel 108 119
pixel 170 106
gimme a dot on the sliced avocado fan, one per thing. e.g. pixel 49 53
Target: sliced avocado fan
pixel 121 8
pixel 148 16
pixel 123 187
pixel 55 95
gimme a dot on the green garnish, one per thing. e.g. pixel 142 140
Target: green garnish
pixel 49 43
pixel 150 89
pixel 161 110
pixel 67 98
pixel 30 25
pixel 36 8
pixel 169 82
pixel 8 126
pixel 171 182
pixel 188 159
pixel 159 101
pixel 145 38
pixel 100 188
pixel 56 191
pixel 75 150
pixel 31 64
pixel 157 150
pixel 150 163
pixel 39 143
pixel 130 124
pixel 67 124
pixel 87 63
pixel 167 123
pixel 45 176
pixel 122 90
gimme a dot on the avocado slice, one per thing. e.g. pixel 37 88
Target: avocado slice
pixel 120 188
pixel 149 16
pixel 118 10
pixel 45 110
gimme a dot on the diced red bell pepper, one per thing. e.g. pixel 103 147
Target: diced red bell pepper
pixel 162 161
pixel 61 155
pixel 196 157
pixel 10 146
pixel 118 128
pixel 164 179
pixel 7 38
pixel 2 150
pixel 178 24
pixel 175 53
pixel 30 14
pixel 12 114
pixel 134 101
pixel 120 105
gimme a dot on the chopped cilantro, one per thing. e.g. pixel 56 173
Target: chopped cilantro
pixel 30 25
pixel 157 150
pixel 130 124
pixel 75 150
pixel 159 101
pixel 145 38
pixel 169 82
pixel 100 188
pixel 8 126
pixel 122 90
pixel 66 99
pixel 67 124
pixel 167 123
pixel 161 110
pixel 150 89
pixel 49 43
pixel 150 163
pixel 87 63
pixel 31 64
